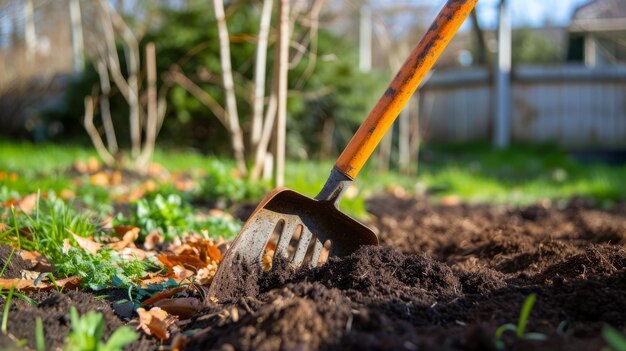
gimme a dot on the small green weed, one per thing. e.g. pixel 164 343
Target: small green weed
pixel 50 223
pixel 87 332
pixel 40 339
pixel 614 339
pixel 172 218
pixel 520 328
pixel 220 185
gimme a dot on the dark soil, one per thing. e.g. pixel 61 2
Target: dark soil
pixel 53 308
pixel 444 279
pixel 15 265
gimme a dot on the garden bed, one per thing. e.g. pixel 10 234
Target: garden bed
pixel 444 278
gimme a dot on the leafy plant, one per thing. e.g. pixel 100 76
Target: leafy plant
pixel 221 186
pixel 520 328
pixel 171 217
pixel 87 332
pixel 50 224
pixel 614 339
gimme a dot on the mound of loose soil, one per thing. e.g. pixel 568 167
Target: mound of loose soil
pixel 444 279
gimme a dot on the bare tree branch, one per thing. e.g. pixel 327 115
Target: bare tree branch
pixel 131 48
pixel 152 123
pixel 229 88
pixel 259 72
pixel 105 109
pixel 202 96
pixel 106 157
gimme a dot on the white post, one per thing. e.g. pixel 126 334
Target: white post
pixel 77 36
pixel 365 39
pixel 283 70
pixel 30 34
pixel 503 78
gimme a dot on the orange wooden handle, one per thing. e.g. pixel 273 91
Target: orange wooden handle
pixel 403 86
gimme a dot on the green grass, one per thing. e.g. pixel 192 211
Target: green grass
pixel 474 172
pixel 45 229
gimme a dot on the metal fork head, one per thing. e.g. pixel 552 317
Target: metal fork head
pixel 319 223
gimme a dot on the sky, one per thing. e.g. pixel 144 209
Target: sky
pixel 534 13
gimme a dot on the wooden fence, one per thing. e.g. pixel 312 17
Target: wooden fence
pixel 574 106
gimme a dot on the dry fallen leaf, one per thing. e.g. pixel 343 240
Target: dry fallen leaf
pixel 66 245
pixel 28 203
pixel 4 227
pixel 38 262
pixel 29 284
pixel 163 295
pixel 152 240
pixel 205 275
pixel 86 244
pixel 92 164
pixel 133 253
pixel 80 167
pixel 67 194
pixel 155 322
pixel 116 178
pixel 181 260
pixel 128 238
pixel 184 307
pixel 100 179
pixel 182 272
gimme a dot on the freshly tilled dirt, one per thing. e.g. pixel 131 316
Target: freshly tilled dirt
pixel 444 279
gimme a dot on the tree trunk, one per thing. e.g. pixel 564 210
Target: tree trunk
pixel 105 109
pixel 29 30
pixel 326 139
pixel 384 153
pixel 152 120
pixel 416 138
pixel 259 73
pixel 229 88
pixel 283 69
pixel 78 44
pixel 404 136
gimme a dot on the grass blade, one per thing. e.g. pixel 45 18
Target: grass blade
pixel 5 314
pixel 614 338
pixel 524 313
pixel 39 336
pixel 7 262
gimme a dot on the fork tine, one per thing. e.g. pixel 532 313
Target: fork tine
pixel 317 251
pixel 289 227
pixel 303 245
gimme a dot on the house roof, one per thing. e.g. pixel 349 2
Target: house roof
pixel 600 15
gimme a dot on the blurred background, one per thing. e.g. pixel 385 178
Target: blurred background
pixel 528 102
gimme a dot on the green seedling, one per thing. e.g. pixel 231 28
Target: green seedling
pixel 5 313
pixel 87 332
pixel 614 339
pixel 40 339
pixel 520 328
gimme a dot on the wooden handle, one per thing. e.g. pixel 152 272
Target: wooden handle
pixel 403 86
